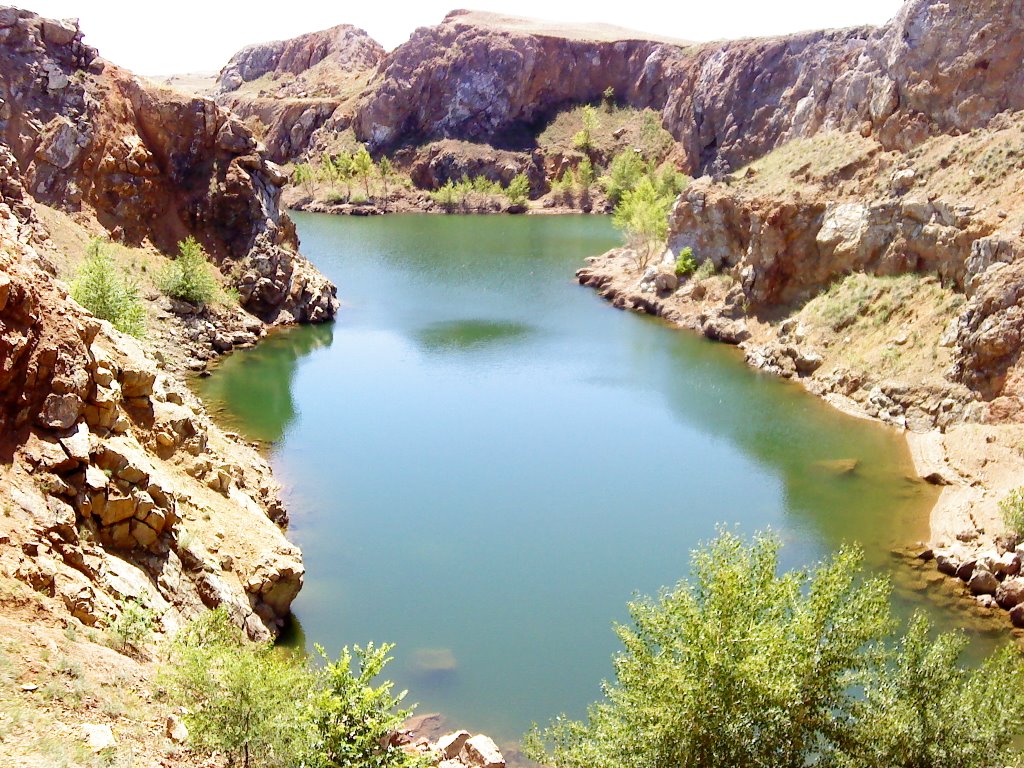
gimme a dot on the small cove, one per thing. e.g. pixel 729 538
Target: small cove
pixel 484 461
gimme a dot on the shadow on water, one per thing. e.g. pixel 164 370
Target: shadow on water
pixel 252 390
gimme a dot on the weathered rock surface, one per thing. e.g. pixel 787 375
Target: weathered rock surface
pixel 108 465
pixel 150 163
pixel 344 47
pixel 482 77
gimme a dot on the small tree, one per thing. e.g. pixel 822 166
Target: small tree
pixel 362 166
pixel 624 173
pixel 748 667
pixel 386 171
pixel 189 277
pixel 133 626
pixel 304 175
pixel 518 191
pixel 343 169
pixel 352 721
pixel 100 286
pixel 642 215
pixel 608 99
pixel 584 139
pixel 585 178
pixel 243 699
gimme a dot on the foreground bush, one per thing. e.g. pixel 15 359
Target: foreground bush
pixel 745 667
pixel 100 286
pixel 263 707
pixel 190 277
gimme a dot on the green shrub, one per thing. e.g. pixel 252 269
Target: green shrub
pixel 608 99
pixel 189 277
pixel 100 286
pixel 686 264
pixel 334 197
pixel 351 719
pixel 584 139
pixel 133 626
pixel 746 667
pixel 624 173
pixel 1012 509
pixel 705 270
pixel 518 191
pixel 642 215
pixel 262 707
pixel 243 700
pixel 445 196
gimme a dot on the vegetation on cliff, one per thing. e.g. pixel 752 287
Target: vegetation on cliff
pixel 744 666
pixel 104 290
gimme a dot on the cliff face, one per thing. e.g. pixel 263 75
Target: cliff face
pixel 483 78
pixel 290 89
pixel 345 48
pixel 150 163
pixel 937 67
pixel 115 484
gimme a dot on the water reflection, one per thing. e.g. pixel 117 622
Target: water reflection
pixel 471 335
pixel 253 390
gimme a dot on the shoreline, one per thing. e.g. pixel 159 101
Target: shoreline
pixel 974 465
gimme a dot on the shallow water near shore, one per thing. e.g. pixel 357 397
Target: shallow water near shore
pixel 484 462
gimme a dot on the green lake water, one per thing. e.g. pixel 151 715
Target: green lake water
pixel 484 462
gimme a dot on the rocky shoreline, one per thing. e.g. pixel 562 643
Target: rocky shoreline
pixel 975 465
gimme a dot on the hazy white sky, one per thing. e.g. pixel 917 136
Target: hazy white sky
pixel 160 37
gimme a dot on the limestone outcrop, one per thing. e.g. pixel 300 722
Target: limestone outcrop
pixel 150 163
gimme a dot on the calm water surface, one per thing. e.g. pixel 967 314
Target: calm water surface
pixel 484 461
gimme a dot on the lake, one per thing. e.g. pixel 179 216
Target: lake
pixel 484 461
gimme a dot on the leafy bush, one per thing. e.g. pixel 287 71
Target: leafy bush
pixel 518 191
pixel 686 264
pixel 265 708
pixel 134 626
pixel 100 286
pixel 584 139
pixel 351 719
pixel 445 196
pixel 608 99
pixel 243 700
pixel 189 277
pixel 745 667
pixel 304 175
pixel 1012 509
pixel 624 173
pixel 705 270
pixel 642 215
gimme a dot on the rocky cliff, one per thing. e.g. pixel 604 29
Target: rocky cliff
pixel 116 485
pixel 289 89
pixel 150 164
pixel 487 78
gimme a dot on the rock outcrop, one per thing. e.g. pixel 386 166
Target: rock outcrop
pixel 290 89
pixel 150 163
pixel 486 78
pixel 114 479
pixel 345 48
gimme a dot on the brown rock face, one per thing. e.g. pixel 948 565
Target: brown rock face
pixel 345 48
pixel 481 78
pixel 148 162
pixel 937 67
